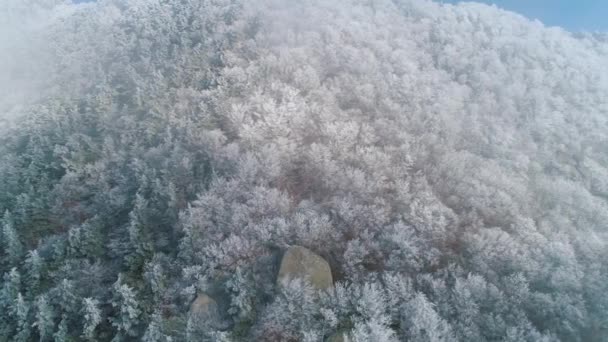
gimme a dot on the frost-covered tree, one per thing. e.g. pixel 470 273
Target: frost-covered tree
pixel 9 300
pixel 45 318
pixel 291 314
pixel 34 265
pixel 21 311
pixel 65 296
pixel 154 331
pixel 139 240
pixel 61 332
pixel 92 317
pixel 126 310
pixel 423 323
pixel 13 248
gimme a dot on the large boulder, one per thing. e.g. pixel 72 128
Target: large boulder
pixel 204 309
pixel 300 262
pixel 338 336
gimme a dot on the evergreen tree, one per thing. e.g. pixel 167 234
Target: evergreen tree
pixel 66 298
pixel 61 334
pixel 45 318
pixel 141 248
pixel 423 324
pixel 11 242
pixel 154 330
pixel 126 310
pixel 21 310
pixel 85 240
pixel 242 295
pixel 34 265
pixel 8 298
pixel 156 278
pixel 92 317
pixel 11 288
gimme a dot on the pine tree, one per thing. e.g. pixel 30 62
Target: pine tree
pixel 12 245
pixel 61 334
pixel 21 311
pixel 44 318
pixel 11 287
pixel 373 330
pixel 423 324
pixel 156 279
pixel 85 240
pixel 293 310
pixel 65 296
pixel 139 237
pixel 126 309
pixel 8 297
pixel 92 317
pixel 154 331
pixel 34 266
pixel 242 302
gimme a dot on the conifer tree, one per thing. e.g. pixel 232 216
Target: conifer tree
pixel 44 321
pixel 139 235
pixel 154 330
pixel 11 288
pixel 126 310
pixel 12 245
pixel 21 310
pixel 34 265
pixel 61 333
pixel 92 317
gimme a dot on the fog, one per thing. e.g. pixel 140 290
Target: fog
pixel 26 52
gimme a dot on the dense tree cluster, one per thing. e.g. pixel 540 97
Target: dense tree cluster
pixel 450 162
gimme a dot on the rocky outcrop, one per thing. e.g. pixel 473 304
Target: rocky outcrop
pixel 338 336
pixel 300 262
pixel 204 308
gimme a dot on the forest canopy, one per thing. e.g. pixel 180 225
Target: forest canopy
pixel 449 162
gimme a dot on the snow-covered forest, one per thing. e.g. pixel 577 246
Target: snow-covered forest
pixel 449 162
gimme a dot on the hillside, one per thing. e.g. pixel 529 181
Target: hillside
pixel 449 163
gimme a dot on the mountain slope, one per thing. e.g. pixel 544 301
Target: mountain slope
pixel 450 162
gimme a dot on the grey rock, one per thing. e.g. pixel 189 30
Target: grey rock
pixel 205 309
pixel 338 336
pixel 302 263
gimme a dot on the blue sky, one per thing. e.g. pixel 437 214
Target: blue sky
pixel 574 15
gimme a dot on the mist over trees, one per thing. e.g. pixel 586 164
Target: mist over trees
pixel 449 162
